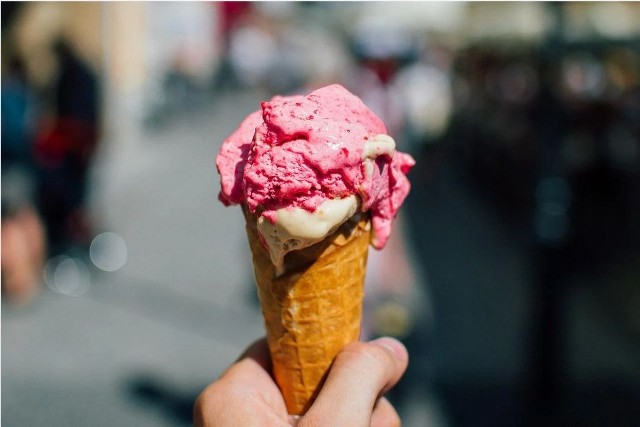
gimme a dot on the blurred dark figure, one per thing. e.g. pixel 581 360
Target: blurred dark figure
pixel 231 13
pixel 16 100
pixel 231 16
pixel 64 151
pixel 23 242
pixel 180 93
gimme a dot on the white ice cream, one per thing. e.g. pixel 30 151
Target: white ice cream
pixel 296 228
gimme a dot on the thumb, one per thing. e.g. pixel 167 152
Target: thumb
pixel 360 374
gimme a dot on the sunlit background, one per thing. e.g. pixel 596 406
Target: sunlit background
pixel 514 272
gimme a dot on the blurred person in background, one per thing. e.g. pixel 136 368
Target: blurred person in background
pixel 281 48
pixel 64 151
pixel 251 49
pixel 231 15
pixel 23 241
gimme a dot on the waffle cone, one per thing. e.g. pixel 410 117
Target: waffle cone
pixel 312 310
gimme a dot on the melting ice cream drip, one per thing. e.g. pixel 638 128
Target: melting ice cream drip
pixel 296 228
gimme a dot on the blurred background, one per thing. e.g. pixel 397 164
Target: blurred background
pixel 514 272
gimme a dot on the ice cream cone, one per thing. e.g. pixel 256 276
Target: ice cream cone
pixel 314 308
pixel 300 166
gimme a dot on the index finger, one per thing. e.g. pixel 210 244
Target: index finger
pixel 243 394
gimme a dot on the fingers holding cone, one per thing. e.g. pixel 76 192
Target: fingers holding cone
pixel 360 375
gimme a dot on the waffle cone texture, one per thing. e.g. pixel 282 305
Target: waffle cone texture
pixel 312 310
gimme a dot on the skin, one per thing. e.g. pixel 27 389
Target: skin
pixel 23 250
pixel 246 394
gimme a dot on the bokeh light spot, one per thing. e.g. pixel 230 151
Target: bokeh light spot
pixel 67 276
pixel 108 251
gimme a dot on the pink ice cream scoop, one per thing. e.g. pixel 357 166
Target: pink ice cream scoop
pixel 302 151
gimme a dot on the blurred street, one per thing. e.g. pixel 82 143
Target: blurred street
pixel 512 273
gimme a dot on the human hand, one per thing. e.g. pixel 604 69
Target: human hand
pixel 352 395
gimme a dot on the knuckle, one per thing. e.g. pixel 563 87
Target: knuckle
pixel 214 400
pixel 198 410
pixel 208 397
pixel 203 399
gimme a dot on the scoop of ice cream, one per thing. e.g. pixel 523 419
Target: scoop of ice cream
pixel 299 152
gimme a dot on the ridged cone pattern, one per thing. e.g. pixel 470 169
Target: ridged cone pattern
pixel 314 309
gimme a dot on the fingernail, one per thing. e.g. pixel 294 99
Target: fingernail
pixel 392 344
